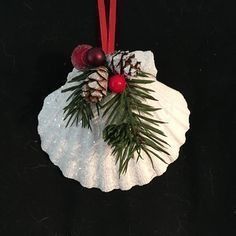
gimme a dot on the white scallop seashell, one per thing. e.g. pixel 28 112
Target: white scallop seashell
pixel 83 155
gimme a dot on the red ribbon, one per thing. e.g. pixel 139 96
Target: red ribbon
pixel 107 33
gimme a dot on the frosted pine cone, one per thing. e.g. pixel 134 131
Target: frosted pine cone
pixel 124 62
pixel 96 87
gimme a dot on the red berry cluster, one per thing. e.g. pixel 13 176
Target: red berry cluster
pixel 84 56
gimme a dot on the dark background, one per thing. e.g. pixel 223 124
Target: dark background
pixel 193 43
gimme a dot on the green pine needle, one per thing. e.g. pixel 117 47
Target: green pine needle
pixel 130 130
pixel 78 109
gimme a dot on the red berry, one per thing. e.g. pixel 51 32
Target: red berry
pixel 96 57
pixel 79 55
pixel 117 83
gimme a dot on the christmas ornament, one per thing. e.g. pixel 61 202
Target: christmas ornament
pixel 117 83
pixel 117 138
pixel 79 56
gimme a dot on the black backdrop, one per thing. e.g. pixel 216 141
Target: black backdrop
pixel 195 52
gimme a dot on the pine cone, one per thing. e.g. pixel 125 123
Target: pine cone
pixel 96 87
pixel 124 62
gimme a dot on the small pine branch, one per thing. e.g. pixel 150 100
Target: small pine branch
pixel 78 109
pixel 130 130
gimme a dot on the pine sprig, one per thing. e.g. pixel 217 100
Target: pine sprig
pixel 130 129
pixel 78 109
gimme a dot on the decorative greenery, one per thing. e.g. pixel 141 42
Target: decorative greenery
pixel 129 127
pixel 78 109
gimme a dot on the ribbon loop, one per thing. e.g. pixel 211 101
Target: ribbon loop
pixel 107 33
